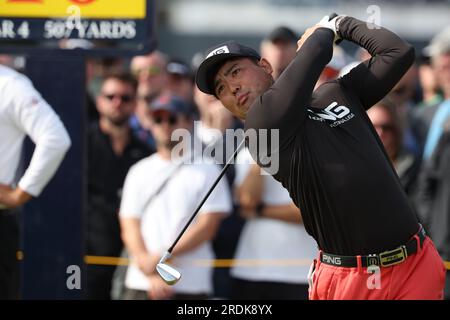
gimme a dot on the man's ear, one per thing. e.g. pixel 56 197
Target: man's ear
pixel 263 63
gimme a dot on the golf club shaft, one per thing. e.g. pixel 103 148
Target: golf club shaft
pixel 206 196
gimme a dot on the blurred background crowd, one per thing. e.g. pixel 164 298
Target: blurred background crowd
pixel 134 104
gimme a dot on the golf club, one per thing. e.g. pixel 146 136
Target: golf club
pixel 169 274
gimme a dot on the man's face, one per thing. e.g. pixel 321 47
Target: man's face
pixel 150 71
pixel 279 53
pixel 441 66
pixel 164 123
pixel 116 101
pixel 385 127
pixel 239 82
pixel 180 86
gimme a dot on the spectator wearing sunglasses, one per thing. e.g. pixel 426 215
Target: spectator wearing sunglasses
pixel 141 120
pixel 111 152
pixel 159 196
pixel 386 120
pixel 150 72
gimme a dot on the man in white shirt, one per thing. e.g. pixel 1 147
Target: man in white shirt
pixel 23 112
pixel 159 196
pixel 278 269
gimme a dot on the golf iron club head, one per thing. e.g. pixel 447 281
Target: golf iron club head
pixel 169 274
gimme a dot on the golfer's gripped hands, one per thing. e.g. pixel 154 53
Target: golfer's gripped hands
pixel 328 22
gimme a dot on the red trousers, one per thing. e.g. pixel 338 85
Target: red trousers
pixel 420 277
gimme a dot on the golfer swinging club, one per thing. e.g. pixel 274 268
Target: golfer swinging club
pixel 331 160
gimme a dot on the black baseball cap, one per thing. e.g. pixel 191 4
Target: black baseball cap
pixel 179 68
pixel 282 33
pixel 215 58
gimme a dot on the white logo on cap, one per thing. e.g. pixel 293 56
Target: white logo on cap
pixel 220 50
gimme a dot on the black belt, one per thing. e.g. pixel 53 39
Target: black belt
pixel 384 259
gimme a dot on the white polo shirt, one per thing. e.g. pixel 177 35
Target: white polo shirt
pixel 24 112
pixel 282 251
pixel 166 215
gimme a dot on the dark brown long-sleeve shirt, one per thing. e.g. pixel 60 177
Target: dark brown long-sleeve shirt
pixel 331 159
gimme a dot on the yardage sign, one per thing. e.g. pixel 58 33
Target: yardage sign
pixel 114 23
pixel 107 9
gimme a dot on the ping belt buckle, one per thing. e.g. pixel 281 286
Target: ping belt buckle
pixel 393 257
